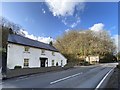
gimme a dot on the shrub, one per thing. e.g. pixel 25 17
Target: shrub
pixel 17 67
pixel 118 66
pixel 108 58
pixel 86 63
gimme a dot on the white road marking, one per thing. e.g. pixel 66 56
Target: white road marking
pixel 98 86
pixel 65 78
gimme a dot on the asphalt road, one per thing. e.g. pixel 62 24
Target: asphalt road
pixel 79 77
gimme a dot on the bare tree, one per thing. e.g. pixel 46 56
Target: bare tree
pixel 79 44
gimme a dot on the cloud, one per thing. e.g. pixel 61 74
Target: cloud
pixel 45 39
pixel 97 27
pixel 67 11
pixel 43 11
pixel 67 30
pixel 31 36
pixel 62 7
pixel 71 21
pixel 75 23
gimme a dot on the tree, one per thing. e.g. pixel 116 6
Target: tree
pixel 7 27
pixel 6 23
pixel 76 45
pixel 118 55
pixel 66 43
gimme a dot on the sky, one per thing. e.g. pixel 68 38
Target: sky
pixel 47 20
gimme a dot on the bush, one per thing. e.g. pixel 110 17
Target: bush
pixel 108 58
pixel 17 67
pixel 118 66
pixel 86 63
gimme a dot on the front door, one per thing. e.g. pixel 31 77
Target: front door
pixel 43 61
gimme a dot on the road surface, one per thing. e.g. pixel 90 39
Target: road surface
pixel 79 77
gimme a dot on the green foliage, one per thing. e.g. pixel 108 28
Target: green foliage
pixel 118 66
pixel 85 63
pixel 118 55
pixel 0 49
pixel 17 67
pixel 108 58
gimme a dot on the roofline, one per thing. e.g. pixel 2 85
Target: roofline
pixel 31 46
pixel 26 38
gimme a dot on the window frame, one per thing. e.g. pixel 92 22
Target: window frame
pixel 26 62
pixel 53 53
pixel 53 62
pixel 61 62
pixel 42 52
pixel 26 48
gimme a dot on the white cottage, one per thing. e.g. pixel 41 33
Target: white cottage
pixel 92 59
pixel 25 52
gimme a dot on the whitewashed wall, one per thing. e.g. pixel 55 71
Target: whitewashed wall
pixel 16 56
pixel 92 58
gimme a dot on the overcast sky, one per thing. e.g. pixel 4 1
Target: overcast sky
pixel 43 20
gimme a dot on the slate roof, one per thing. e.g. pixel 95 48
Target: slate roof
pixel 17 39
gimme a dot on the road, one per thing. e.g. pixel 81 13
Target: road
pixel 79 77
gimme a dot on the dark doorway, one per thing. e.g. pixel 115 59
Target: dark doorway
pixel 43 62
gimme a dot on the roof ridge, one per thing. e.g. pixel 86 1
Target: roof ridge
pixel 29 38
pixel 15 38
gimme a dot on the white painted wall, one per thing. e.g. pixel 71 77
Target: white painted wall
pixel 16 56
pixel 92 58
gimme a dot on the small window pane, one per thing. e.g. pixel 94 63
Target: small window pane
pixel 26 62
pixel 61 62
pixel 42 52
pixel 53 53
pixel 52 62
pixel 26 48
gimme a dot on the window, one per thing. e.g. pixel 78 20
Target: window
pixel 26 62
pixel 52 62
pixel 61 62
pixel 26 48
pixel 53 53
pixel 43 52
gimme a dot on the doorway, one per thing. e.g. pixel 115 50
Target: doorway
pixel 43 62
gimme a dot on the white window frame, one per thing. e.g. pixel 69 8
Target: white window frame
pixel 26 62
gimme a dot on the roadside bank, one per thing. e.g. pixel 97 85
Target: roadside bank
pixel 114 81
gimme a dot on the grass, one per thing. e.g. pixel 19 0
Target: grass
pixel 114 81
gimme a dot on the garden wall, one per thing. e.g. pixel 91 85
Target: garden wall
pixel 28 71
